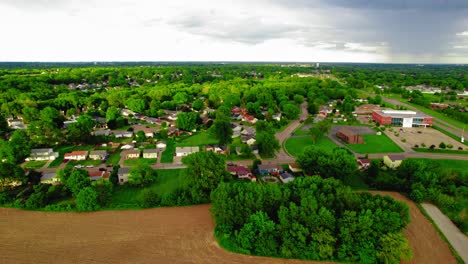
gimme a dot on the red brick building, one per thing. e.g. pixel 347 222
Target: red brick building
pixel 350 137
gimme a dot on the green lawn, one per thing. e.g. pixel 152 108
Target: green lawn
pixel 443 151
pixel 114 158
pixel 139 162
pixel 375 144
pixel 200 138
pixel 35 164
pixel 66 149
pixel 85 162
pixel 125 197
pixel 295 145
pixel 168 154
pixel 459 165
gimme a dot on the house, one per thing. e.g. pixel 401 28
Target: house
pixel 149 131
pixel 127 112
pixel 127 146
pixel 294 167
pixel 68 122
pixel 185 151
pixel 50 178
pixel 401 118
pixel 250 141
pixel 216 148
pixel 15 123
pixel 161 146
pixel 363 164
pixel 42 154
pixel 95 175
pixel 393 161
pixel 349 136
pixel 105 132
pixel 240 171
pixel 286 177
pixel 122 134
pixel 150 154
pixel 98 155
pixel 366 109
pixel 123 174
pixel 276 117
pixel 131 154
pixel 250 119
pixel 76 155
pixel 268 168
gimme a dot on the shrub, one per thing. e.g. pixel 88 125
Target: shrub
pixel 432 147
pixel 442 145
pixel 397 134
pixel 449 146
pixel 36 200
pixel 416 146
pixel 148 198
pixel 460 148
pixel 403 140
pixel 423 145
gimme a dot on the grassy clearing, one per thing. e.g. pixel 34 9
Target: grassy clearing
pixel 125 197
pixel 459 165
pixel 139 162
pixel 375 144
pixel 35 164
pixel 199 139
pixel 168 154
pixel 295 145
pixel 66 149
pixel 85 162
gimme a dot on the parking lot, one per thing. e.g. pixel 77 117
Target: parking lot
pixel 419 136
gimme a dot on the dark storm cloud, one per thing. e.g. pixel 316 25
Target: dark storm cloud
pixel 413 27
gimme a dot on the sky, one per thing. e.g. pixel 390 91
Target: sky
pixel 383 31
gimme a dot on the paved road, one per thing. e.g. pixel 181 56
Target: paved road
pixel 286 133
pixel 457 239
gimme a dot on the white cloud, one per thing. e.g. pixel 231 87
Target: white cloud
pixel 464 33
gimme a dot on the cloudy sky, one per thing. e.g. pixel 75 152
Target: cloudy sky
pixel 408 31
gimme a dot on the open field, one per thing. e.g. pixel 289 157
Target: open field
pixel 200 138
pixel 375 144
pixel 161 235
pixel 295 145
pixel 34 164
pixel 459 165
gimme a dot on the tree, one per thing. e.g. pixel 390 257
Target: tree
pixel 137 105
pixel 246 151
pixel 291 111
pixel 103 189
pixel 3 125
pixel 52 115
pixel 140 136
pixel 315 133
pixel 393 248
pixel 205 171
pixel 222 130
pixel 80 131
pixel 10 174
pixel 259 236
pixel 30 114
pixel 114 118
pixel 44 133
pixel 142 176
pixel 187 121
pixel 324 127
pixel 148 198
pixel 198 104
pixel 312 108
pixel 267 144
pixel 180 98
pixel 87 200
pixel 442 145
pixel 78 180
pixel 299 99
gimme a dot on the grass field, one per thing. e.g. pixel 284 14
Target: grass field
pixel 168 154
pixel 35 164
pixel 125 197
pixel 443 151
pixel 459 165
pixel 200 138
pixel 295 145
pixel 139 162
pixel 85 162
pixel 375 144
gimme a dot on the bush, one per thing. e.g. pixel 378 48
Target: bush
pixel 442 145
pixel 59 208
pixel 36 200
pixel 86 200
pixel 423 145
pixel 432 147
pixel 403 140
pixel 416 146
pixel 397 134
pixel 148 198
pixel 449 146
pixel 460 148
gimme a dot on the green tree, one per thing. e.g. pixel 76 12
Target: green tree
pixel 259 236
pixel 267 144
pixel 291 111
pixel 148 198
pixel 140 136
pixel 324 126
pixel 78 180
pixel 198 104
pixel 205 171
pixel 393 248
pixel 137 105
pixel 222 130
pixel 52 115
pixel 87 200
pixel 315 133
pixel 3 126
pixel 187 121
pixel 103 189
pixel 299 99
pixel 181 98
pixel 10 174
pixel 142 176
pixel 80 131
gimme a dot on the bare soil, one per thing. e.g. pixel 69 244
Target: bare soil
pixel 161 235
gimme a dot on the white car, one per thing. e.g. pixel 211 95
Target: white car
pixel 79 166
pixel 90 166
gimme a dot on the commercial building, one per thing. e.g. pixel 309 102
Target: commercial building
pixel 401 118
pixel 350 137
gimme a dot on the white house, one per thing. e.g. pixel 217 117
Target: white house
pixel 50 178
pixel 251 141
pixel 123 174
pixel 76 155
pixel 150 154
pixel 98 155
pixel 161 146
pixel 42 154
pixel 123 134
pixel 185 151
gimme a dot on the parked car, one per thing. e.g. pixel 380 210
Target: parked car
pixel 90 166
pixel 78 166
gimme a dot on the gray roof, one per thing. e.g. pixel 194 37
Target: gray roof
pixel 124 170
pixel 41 150
pixel 98 152
pixel 187 149
pixel 48 176
pixel 150 151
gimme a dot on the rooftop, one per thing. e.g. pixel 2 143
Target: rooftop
pixel 401 113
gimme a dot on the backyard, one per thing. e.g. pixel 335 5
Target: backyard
pixel 125 197
pixel 375 144
pixel 34 164
pixel 139 162
pixel 66 149
pixel 199 139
